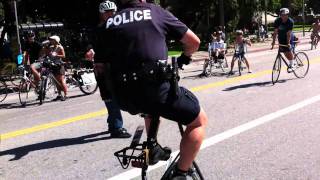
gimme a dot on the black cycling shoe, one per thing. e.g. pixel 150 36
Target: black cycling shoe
pixel 63 98
pixel 120 133
pixel 158 153
pixel 177 174
pixel 57 98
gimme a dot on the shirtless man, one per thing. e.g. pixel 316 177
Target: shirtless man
pixel 315 30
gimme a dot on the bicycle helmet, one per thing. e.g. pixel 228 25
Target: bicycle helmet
pixel 30 33
pixel 284 11
pixel 107 6
pixel 239 32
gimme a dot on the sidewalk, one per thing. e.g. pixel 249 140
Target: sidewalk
pixel 256 47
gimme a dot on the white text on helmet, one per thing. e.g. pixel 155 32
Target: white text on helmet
pixel 129 17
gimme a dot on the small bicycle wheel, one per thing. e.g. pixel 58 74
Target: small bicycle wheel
pixel 239 66
pixel 302 61
pixel 89 84
pixel 223 64
pixel 25 92
pixel 208 70
pixel 276 70
pixel 3 91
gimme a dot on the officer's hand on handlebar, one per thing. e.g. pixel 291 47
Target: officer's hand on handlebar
pixel 183 60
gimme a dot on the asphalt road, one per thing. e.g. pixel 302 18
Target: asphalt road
pixel 256 130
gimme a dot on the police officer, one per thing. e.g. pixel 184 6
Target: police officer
pixel 115 121
pixel 138 34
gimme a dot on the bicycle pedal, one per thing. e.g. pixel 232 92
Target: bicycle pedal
pixel 137 164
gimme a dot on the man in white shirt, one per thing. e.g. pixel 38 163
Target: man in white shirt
pixel 216 49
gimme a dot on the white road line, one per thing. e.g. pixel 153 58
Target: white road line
pixel 228 134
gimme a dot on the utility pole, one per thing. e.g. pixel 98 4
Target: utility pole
pixel 303 18
pixel 265 15
pixel 221 14
pixel 17 25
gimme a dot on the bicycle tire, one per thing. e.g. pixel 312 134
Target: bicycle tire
pixel 276 69
pixel 224 64
pixel 42 92
pixel 16 77
pixel 239 66
pixel 3 91
pixel 196 172
pixel 24 92
pixel 88 89
pixel 312 44
pixel 302 61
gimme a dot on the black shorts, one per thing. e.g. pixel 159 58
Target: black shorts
pixel 59 70
pixel 220 56
pixel 286 49
pixel 156 100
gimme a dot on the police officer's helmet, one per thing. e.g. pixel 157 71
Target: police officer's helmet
pixel 30 34
pixel 284 11
pixel 107 6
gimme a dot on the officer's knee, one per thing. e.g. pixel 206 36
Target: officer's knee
pixel 201 120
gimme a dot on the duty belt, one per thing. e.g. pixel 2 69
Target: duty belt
pixel 151 72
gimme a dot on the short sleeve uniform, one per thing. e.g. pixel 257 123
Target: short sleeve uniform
pixel 138 35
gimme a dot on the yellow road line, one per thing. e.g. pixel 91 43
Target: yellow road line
pixel 104 112
pixel 52 124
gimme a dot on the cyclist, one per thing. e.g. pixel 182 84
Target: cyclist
pixel 315 30
pixel 217 50
pixel 283 29
pixel 139 32
pixel 32 50
pixel 57 53
pixel 114 120
pixel 240 50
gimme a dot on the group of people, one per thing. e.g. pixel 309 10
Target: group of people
pixel 35 51
pixel 217 49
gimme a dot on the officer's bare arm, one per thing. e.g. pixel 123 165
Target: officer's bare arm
pixel 190 43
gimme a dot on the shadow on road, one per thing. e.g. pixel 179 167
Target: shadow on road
pixel 260 84
pixel 33 103
pixel 24 150
pixel 200 76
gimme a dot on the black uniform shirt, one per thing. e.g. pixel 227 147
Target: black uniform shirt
pixel 99 43
pixel 33 49
pixel 138 33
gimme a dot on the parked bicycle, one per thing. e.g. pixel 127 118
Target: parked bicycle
pixel 301 62
pixel 82 78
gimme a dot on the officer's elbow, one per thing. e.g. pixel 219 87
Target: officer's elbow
pixel 191 41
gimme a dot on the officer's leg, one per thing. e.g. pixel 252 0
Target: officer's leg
pixel 114 119
pixel 192 140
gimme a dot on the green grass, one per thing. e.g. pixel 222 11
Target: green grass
pixel 174 53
